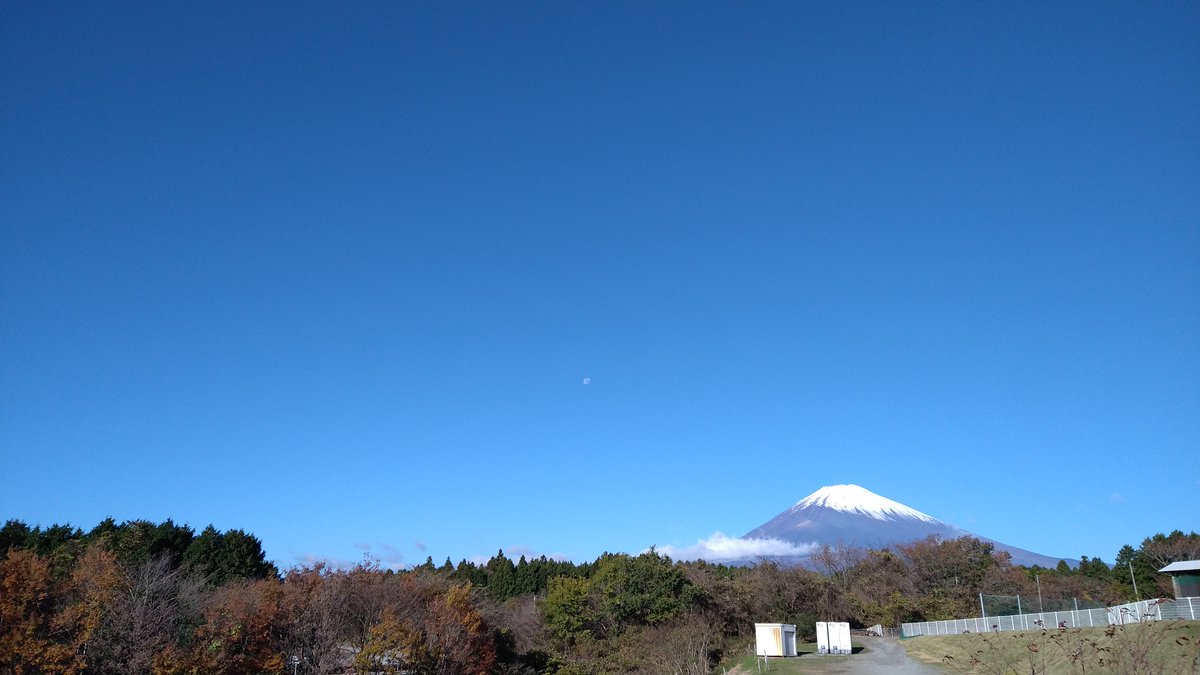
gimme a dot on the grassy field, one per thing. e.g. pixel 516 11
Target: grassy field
pixel 1158 648
pixel 809 661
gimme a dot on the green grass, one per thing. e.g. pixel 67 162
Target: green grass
pixel 1159 647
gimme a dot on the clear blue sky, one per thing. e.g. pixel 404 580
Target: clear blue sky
pixel 336 274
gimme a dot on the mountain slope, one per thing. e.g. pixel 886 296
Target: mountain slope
pixel 856 516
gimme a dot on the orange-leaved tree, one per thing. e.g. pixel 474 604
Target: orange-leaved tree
pixel 30 642
pixel 237 637
pixel 458 634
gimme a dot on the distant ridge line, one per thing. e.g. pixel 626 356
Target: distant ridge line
pixel 853 515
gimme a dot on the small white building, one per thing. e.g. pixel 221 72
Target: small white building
pixel 775 639
pixel 833 637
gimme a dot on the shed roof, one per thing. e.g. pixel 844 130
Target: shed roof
pixel 1182 566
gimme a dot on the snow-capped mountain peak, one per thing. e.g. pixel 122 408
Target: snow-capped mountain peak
pixel 855 499
pixel 857 517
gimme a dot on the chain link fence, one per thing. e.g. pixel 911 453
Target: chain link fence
pixel 1146 610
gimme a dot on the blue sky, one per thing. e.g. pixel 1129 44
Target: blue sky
pixel 338 274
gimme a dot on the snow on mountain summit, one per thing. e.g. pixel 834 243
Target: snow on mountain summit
pixel 855 499
pixel 854 516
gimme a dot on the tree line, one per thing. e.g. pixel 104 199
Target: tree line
pixel 148 598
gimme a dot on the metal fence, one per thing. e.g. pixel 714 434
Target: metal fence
pixel 1187 609
pixel 1146 610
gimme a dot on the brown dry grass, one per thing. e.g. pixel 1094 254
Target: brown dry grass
pixel 1154 648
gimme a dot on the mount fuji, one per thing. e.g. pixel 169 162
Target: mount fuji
pixel 857 517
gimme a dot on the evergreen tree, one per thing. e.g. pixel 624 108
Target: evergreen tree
pixel 171 540
pixel 15 535
pixel 104 532
pixel 202 554
pixel 226 556
pixel 501 577
pixel 525 579
pixel 242 557
pixel 48 541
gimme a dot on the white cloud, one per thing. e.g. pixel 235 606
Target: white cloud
pixel 719 549
pixel 383 555
pixel 311 560
pixel 391 556
pixel 515 552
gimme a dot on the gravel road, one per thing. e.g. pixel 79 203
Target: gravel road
pixel 883 655
pixel 879 656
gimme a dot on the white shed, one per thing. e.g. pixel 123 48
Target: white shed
pixel 775 639
pixel 833 637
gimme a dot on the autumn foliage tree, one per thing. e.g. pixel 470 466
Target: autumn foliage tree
pixel 237 636
pixel 31 638
pixel 314 617
pixel 140 598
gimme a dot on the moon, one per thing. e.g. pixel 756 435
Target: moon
pixel 587 380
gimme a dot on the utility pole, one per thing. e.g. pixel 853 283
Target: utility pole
pixel 1041 610
pixel 1131 578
